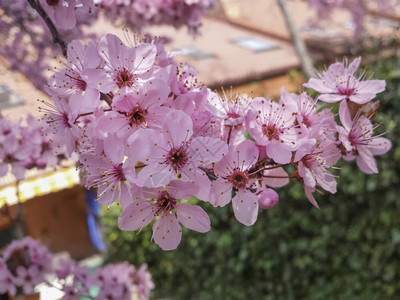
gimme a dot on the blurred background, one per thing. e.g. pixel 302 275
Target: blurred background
pixel 348 249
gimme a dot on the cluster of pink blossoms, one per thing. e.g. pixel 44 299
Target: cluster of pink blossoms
pixel 358 10
pixel 26 263
pixel 20 26
pixel 141 13
pixel 24 147
pixel 150 136
pixel 114 281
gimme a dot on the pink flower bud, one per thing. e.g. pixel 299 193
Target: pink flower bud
pixel 268 198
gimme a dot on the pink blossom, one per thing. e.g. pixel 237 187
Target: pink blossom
pixel 74 280
pixel 25 263
pixel 41 154
pixel 11 153
pixel 358 141
pixel 339 82
pixel 162 203
pixel 144 282
pixel 188 93
pixel 233 172
pixel 137 110
pixel 128 67
pixel 81 79
pixel 27 278
pixel 62 119
pixel 232 110
pixel 175 153
pixel 271 124
pixel 28 262
pixel 109 172
pixel 114 281
pixel 8 128
pixel 314 157
pixel 308 116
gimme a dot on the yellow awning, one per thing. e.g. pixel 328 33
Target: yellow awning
pixel 38 186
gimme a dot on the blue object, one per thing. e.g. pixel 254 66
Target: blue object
pixel 92 211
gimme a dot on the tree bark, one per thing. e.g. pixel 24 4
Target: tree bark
pixel 57 37
pixel 301 49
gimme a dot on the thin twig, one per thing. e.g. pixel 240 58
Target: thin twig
pixel 272 176
pixel 57 37
pixel 19 218
pixel 229 134
pixel 299 45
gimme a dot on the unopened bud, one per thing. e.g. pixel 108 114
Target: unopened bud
pixel 268 198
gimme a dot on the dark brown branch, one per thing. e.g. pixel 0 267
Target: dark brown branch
pixel 57 37
pixel 209 172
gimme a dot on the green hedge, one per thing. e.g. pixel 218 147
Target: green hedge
pixel 349 249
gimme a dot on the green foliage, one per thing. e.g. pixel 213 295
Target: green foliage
pixel 348 249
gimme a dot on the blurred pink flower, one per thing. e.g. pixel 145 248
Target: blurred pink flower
pixel 339 82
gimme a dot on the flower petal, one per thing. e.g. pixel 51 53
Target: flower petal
pixel 136 215
pixel 331 98
pixel 344 115
pixel 380 145
pixel 193 217
pixel 166 232
pixel 178 127
pixel 318 85
pixel 371 86
pixel 366 161
pixel 207 150
pixel 245 207
pixel 154 175
pixel 279 153
pixel 221 192
pixel 309 191
pixel 276 182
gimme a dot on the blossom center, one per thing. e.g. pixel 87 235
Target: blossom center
pixel 233 115
pixel 238 179
pixel 80 84
pixel 65 120
pixel 78 81
pixel 177 157
pixel 165 202
pixel 125 78
pixel 308 160
pixel 306 121
pixel 271 132
pixel 137 116
pixel 119 172
pixel 346 86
